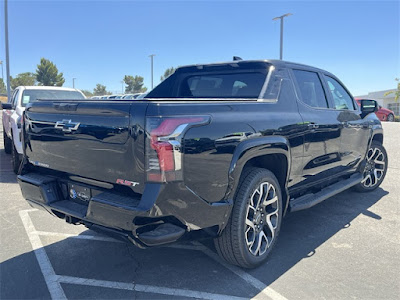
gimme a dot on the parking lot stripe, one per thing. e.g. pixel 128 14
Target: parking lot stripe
pixel 265 291
pixel 56 291
pixel 145 288
pixel 82 236
pixel 54 287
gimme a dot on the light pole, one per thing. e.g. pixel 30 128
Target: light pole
pixel 73 82
pixel 2 72
pixel 7 56
pixel 122 86
pixel 281 18
pixel 151 57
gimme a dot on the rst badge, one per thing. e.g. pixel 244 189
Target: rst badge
pixel 127 182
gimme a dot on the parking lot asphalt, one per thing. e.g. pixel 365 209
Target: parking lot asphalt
pixel 347 247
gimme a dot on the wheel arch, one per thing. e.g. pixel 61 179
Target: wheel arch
pixel 272 153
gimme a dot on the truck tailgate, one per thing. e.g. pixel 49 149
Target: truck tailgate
pixel 102 140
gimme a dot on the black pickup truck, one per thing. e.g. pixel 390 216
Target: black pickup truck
pixel 223 149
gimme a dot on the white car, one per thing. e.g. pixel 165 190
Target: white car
pixel 13 110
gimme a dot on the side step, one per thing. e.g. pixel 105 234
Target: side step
pixel 163 234
pixel 309 200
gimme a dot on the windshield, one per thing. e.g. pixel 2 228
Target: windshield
pixel 31 95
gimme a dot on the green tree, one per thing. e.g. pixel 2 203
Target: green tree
pixel 26 79
pixel 47 74
pixel 168 72
pixel 395 92
pixel 134 84
pixel 100 90
pixel 87 93
pixel 3 88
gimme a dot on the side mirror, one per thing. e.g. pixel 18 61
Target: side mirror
pixel 368 106
pixel 6 105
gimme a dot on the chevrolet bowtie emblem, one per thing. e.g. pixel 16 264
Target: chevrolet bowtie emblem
pixel 67 125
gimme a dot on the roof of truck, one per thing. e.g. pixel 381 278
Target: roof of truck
pixel 275 62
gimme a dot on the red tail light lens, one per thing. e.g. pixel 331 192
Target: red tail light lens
pixel 163 146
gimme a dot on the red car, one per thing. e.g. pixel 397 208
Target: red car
pixel 383 114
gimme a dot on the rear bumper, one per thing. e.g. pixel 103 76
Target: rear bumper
pixel 163 214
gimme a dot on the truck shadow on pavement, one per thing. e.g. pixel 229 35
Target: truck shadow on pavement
pixel 178 268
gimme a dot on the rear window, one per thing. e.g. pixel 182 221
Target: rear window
pixel 31 95
pixel 240 85
pixel 230 81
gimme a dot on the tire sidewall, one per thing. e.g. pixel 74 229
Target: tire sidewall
pixel 243 198
pixel 15 158
pixel 7 142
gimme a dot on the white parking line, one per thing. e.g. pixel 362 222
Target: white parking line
pixel 53 280
pixel 76 236
pixel 54 287
pixel 145 288
pixel 266 291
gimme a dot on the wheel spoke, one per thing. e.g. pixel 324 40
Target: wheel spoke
pixel 262 243
pixel 250 223
pixel 269 202
pixel 366 178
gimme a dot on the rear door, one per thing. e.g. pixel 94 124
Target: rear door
pixel 100 140
pixel 322 128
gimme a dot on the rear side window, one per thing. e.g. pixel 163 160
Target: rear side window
pixel 341 98
pixel 234 85
pixel 310 87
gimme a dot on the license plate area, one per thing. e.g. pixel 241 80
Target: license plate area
pixel 79 193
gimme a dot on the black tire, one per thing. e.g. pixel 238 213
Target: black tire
pixel 233 244
pixel 375 156
pixel 7 142
pixel 390 118
pixel 16 159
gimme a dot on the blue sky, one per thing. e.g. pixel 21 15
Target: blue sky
pixel 101 41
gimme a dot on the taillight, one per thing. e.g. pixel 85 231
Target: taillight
pixel 164 146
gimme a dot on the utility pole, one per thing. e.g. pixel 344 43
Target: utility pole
pixel 122 86
pixel 281 40
pixel 73 82
pixel 7 54
pixel 151 57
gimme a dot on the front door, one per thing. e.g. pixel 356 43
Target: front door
pixel 355 131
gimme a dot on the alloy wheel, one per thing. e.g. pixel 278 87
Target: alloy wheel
pixel 261 219
pixel 374 169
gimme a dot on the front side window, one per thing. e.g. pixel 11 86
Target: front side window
pixel 310 87
pixel 341 98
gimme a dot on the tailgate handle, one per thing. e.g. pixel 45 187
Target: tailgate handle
pixel 65 106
